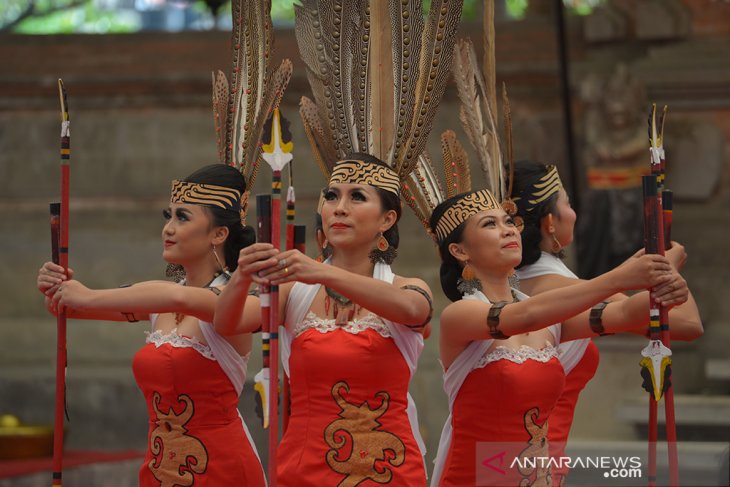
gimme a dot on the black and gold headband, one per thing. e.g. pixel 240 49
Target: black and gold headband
pixel 465 207
pixel 353 171
pixel 540 190
pixel 205 194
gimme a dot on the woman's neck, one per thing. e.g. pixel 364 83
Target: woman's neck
pixel 356 261
pixel 200 274
pixel 546 245
pixel 495 285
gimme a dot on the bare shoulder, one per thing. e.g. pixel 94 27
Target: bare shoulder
pixel 284 290
pixel 461 311
pixel 400 281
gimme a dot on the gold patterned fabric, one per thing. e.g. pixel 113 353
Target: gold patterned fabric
pixel 542 189
pixel 360 172
pixel 205 194
pixel 465 207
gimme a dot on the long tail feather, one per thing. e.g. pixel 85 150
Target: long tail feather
pixel 220 107
pixel 434 69
pixel 507 110
pixel 456 165
pixel 407 26
pixel 323 152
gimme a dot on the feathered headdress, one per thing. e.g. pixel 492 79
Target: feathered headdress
pixel 478 115
pixel 377 72
pixel 241 107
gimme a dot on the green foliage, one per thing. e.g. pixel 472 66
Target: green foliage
pixel 64 17
pixel 516 9
pixel 86 16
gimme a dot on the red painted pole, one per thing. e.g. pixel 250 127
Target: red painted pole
pixel 62 260
pixel 274 332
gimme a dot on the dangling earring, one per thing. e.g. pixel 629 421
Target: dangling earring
pixel 383 252
pixel 223 269
pixel 468 283
pixel 325 253
pixel 556 247
pixel 176 272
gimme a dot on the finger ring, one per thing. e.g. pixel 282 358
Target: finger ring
pixel 286 270
pixel 282 263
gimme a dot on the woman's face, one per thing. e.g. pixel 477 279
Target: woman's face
pixel 564 221
pixel 490 241
pixel 187 235
pixel 352 215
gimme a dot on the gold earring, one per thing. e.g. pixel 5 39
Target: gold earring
pixel 556 247
pixel 215 254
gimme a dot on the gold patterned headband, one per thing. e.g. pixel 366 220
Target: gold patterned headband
pixel 353 171
pixel 541 190
pixel 205 194
pixel 465 207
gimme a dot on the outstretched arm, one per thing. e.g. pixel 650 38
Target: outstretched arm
pixel 138 300
pixel 466 320
pixel 684 319
pixel 390 301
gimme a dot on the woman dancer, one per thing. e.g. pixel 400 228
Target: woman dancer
pixel 351 338
pixel 194 436
pixel 498 348
pixel 549 221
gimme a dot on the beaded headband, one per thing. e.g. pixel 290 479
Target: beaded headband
pixel 354 171
pixel 542 189
pixel 205 194
pixel 465 207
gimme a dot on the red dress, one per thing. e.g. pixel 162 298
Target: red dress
pixel 562 417
pixel 196 436
pixel 579 358
pixel 348 423
pixel 503 405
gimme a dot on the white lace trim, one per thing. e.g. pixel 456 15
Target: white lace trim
pixel 356 326
pixel 518 356
pixel 179 341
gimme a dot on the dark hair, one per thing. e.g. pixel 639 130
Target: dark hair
pixel 450 270
pixel 527 173
pixel 388 201
pixel 239 236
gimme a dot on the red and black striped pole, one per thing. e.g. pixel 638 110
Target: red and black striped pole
pixel 263 235
pixel 59 221
pixel 657 361
pixel 276 151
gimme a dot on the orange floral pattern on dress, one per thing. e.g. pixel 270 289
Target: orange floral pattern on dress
pixel 178 456
pixel 359 450
pixel 538 447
